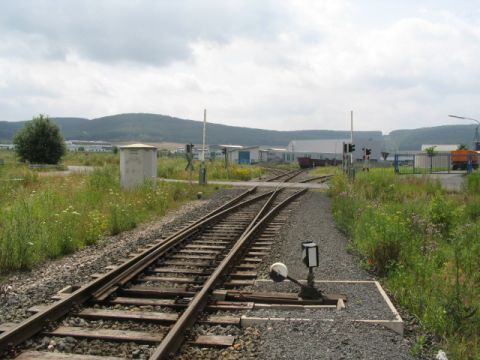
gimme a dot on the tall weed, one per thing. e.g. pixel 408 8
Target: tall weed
pixel 52 216
pixel 425 244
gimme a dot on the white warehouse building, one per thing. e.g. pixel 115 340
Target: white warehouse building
pixel 331 149
pixel 88 146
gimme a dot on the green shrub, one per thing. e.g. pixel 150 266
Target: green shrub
pixel 473 183
pixel 442 213
pixel 40 142
pixel 425 244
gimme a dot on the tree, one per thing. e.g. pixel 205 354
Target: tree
pixel 40 141
pixel 431 153
pixel 431 150
pixel 462 147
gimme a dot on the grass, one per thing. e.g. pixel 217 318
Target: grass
pixel 174 168
pixel 325 170
pixel 91 159
pixel 281 165
pixel 425 244
pixel 46 217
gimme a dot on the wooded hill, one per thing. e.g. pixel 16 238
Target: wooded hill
pixel 161 128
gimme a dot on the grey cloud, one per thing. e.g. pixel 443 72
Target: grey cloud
pixel 149 31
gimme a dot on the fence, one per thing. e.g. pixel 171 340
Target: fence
pixel 439 163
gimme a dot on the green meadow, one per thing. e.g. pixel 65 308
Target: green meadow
pixel 44 216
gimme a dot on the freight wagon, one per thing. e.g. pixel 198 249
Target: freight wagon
pixel 460 159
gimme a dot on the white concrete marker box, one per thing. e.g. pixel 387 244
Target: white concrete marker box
pixel 138 162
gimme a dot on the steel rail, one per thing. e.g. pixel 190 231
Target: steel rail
pixel 136 268
pixel 295 172
pixel 263 210
pixel 322 177
pixel 275 171
pixel 275 177
pixel 174 338
pixel 36 323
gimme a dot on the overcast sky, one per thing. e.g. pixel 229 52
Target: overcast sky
pixel 281 64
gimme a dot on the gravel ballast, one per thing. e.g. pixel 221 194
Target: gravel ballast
pixel 329 340
pixel 329 334
pixel 312 220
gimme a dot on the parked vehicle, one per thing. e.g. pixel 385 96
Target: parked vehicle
pixel 307 163
pixel 460 159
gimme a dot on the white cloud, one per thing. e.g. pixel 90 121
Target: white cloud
pixel 298 65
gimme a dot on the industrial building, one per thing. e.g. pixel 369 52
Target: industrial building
pixel 256 154
pixel 315 149
pixel 331 149
pixel 217 151
pixel 88 146
pixel 246 155
pixel 440 147
pixel 273 154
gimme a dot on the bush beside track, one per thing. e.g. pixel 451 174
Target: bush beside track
pixel 425 244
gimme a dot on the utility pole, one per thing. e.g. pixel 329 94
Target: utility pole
pixel 202 180
pixel 476 139
pixel 351 135
pixel 351 167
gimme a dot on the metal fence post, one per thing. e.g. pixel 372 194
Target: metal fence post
pixel 469 164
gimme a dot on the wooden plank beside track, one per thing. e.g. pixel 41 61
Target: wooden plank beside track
pixel 214 340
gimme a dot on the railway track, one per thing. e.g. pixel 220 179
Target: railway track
pixel 170 285
pixel 285 176
pixel 319 179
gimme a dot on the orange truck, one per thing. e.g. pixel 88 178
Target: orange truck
pixel 460 158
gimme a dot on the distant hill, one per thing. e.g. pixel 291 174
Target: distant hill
pixel 160 128
pixel 414 138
